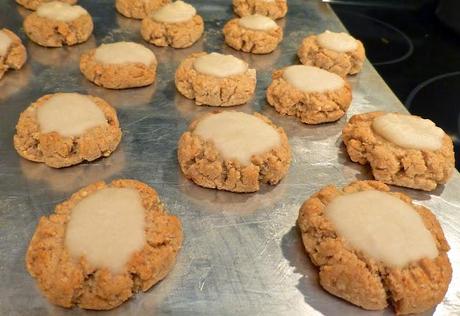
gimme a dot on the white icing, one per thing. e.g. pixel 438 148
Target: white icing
pixel 106 228
pixel 69 114
pixel 312 79
pixel 60 11
pixel 175 12
pixel 5 42
pixel 409 131
pixel 382 227
pixel 257 22
pixel 219 65
pixel 339 42
pixel 238 135
pixel 124 53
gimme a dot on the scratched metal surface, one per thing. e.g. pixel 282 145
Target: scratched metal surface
pixel 242 253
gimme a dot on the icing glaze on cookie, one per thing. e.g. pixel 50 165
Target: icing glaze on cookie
pixel 124 53
pixel 60 11
pixel 339 42
pixel 312 79
pixel 107 227
pixel 257 22
pixel 238 135
pixel 175 12
pixel 5 42
pixel 382 227
pixel 69 114
pixel 409 131
pixel 219 65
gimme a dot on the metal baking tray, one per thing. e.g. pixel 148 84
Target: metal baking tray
pixel 242 254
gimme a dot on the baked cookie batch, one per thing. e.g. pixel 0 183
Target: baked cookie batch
pixel 372 247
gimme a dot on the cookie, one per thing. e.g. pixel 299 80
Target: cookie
pixel 55 24
pixel 234 151
pixel 335 52
pixel 401 149
pixel 119 65
pixel 64 129
pixel 275 9
pixel 103 245
pixel 176 24
pixel 215 79
pixel 255 34
pixel 13 54
pixel 376 248
pixel 33 4
pixel 312 94
pixel 138 9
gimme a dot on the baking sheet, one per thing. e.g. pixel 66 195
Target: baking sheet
pixel 242 253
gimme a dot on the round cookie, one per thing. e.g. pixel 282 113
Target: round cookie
pixel 255 34
pixel 13 54
pixel 275 9
pixel 55 24
pixel 336 52
pixel 375 248
pixel 401 149
pixel 64 129
pixel 138 9
pixel 234 151
pixel 312 94
pixel 103 245
pixel 119 65
pixel 33 4
pixel 176 24
pixel 215 79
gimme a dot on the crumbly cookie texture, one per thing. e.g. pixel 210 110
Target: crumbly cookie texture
pixel 251 41
pixel 33 4
pixel 412 168
pixel 52 33
pixel 201 162
pixel 214 91
pixel 138 9
pixel 58 151
pixel 113 76
pixel 363 281
pixel 68 283
pixel 177 35
pixel 341 63
pixel 276 9
pixel 16 55
pixel 309 107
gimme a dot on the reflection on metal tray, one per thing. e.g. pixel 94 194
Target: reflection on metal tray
pixel 242 253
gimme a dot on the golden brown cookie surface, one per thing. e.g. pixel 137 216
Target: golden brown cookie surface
pixel 33 4
pixel 56 150
pixel 119 65
pixel 315 106
pixel 13 54
pixel 275 9
pixel 342 63
pixel 234 89
pixel 364 281
pixel 52 26
pixel 69 282
pixel 138 9
pixel 393 164
pixel 251 40
pixel 206 163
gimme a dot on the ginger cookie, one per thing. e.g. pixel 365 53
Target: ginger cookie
pixel 401 149
pixel 215 79
pixel 234 151
pixel 65 129
pixel 103 245
pixel 138 9
pixel 13 54
pixel 335 52
pixel 375 248
pixel 275 9
pixel 312 94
